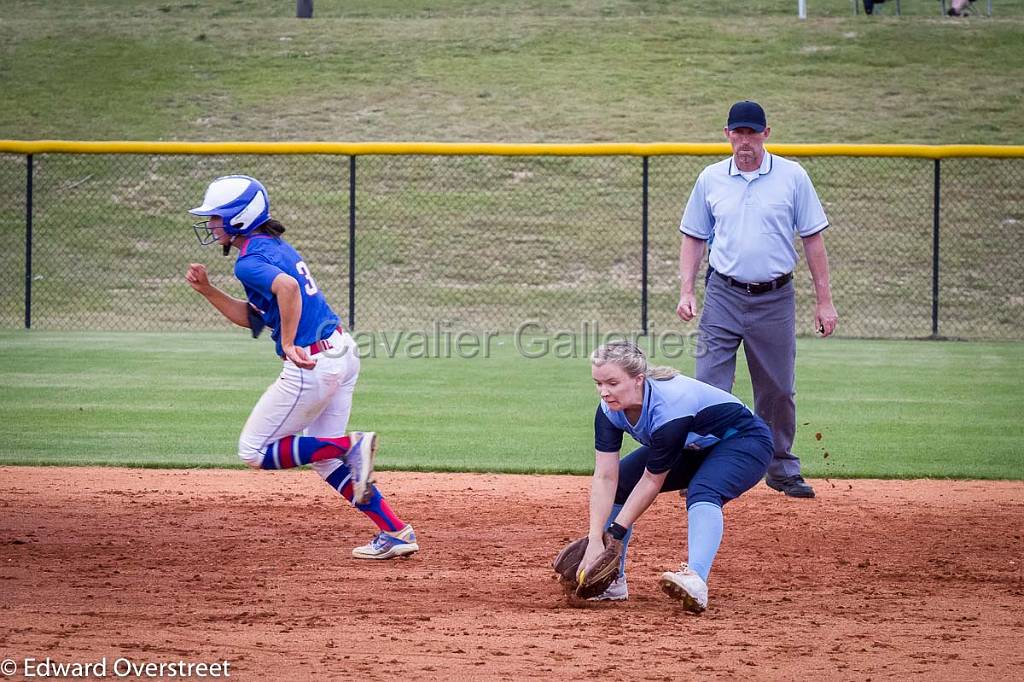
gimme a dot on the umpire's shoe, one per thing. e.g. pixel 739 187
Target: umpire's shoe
pixel 793 486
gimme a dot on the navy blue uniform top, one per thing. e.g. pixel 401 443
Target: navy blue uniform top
pixel 261 259
pixel 678 414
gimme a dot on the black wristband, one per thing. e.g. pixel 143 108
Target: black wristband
pixel 616 531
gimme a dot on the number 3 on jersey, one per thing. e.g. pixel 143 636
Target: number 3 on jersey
pixel 310 285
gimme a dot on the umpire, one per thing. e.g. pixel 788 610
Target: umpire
pixel 747 208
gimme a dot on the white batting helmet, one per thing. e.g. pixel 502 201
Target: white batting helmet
pixel 241 201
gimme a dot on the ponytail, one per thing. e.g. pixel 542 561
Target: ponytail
pixel 631 359
pixel 272 228
pixel 662 372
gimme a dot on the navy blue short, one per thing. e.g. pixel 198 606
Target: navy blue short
pixel 722 473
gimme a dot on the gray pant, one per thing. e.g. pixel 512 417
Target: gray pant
pixel 766 324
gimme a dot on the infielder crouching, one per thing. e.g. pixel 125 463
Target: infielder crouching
pixel 302 416
pixel 693 436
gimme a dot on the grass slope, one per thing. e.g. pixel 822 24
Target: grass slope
pixel 884 409
pixel 584 70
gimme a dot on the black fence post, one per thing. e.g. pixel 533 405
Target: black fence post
pixel 935 251
pixel 643 267
pixel 352 242
pixel 28 242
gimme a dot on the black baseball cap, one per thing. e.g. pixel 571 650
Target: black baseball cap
pixel 747 114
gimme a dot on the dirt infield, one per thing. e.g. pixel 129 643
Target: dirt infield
pixel 871 580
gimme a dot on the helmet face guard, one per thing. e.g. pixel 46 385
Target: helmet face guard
pixel 204 233
pixel 240 201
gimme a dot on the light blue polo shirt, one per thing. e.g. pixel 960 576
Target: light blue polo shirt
pixel 752 223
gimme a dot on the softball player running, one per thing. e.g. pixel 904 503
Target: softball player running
pixel 694 437
pixel 302 416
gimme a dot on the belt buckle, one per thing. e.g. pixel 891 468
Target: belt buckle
pixel 750 287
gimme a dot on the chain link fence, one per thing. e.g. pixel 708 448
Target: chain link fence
pixel 493 242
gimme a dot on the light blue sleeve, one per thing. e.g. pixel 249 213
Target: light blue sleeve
pixel 810 216
pixel 697 219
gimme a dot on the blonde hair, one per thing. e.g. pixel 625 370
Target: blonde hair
pixel 631 359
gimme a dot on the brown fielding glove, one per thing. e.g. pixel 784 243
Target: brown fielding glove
pixel 568 562
pixel 603 572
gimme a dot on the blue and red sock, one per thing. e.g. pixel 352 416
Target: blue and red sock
pixel 377 508
pixel 295 451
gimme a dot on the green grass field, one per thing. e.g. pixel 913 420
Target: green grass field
pixel 112 238
pixel 884 409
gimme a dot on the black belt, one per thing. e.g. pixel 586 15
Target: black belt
pixel 758 287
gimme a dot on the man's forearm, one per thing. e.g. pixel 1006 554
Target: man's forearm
pixel 691 252
pixel 817 263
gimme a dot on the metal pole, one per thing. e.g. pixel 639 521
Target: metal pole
pixel 935 252
pixel 643 267
pixel 801 8
pixel 352 242
pixel 28 243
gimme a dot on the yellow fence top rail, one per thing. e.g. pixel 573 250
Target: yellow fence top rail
pixel 945 151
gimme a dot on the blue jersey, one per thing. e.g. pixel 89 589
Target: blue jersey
pixel 261 259
pixel 678 414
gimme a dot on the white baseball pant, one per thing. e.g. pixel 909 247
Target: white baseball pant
pixel 312 402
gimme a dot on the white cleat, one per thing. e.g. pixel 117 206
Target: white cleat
pixel 389 545
pixel 359 459
pixel 686 586
pixel 617 591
